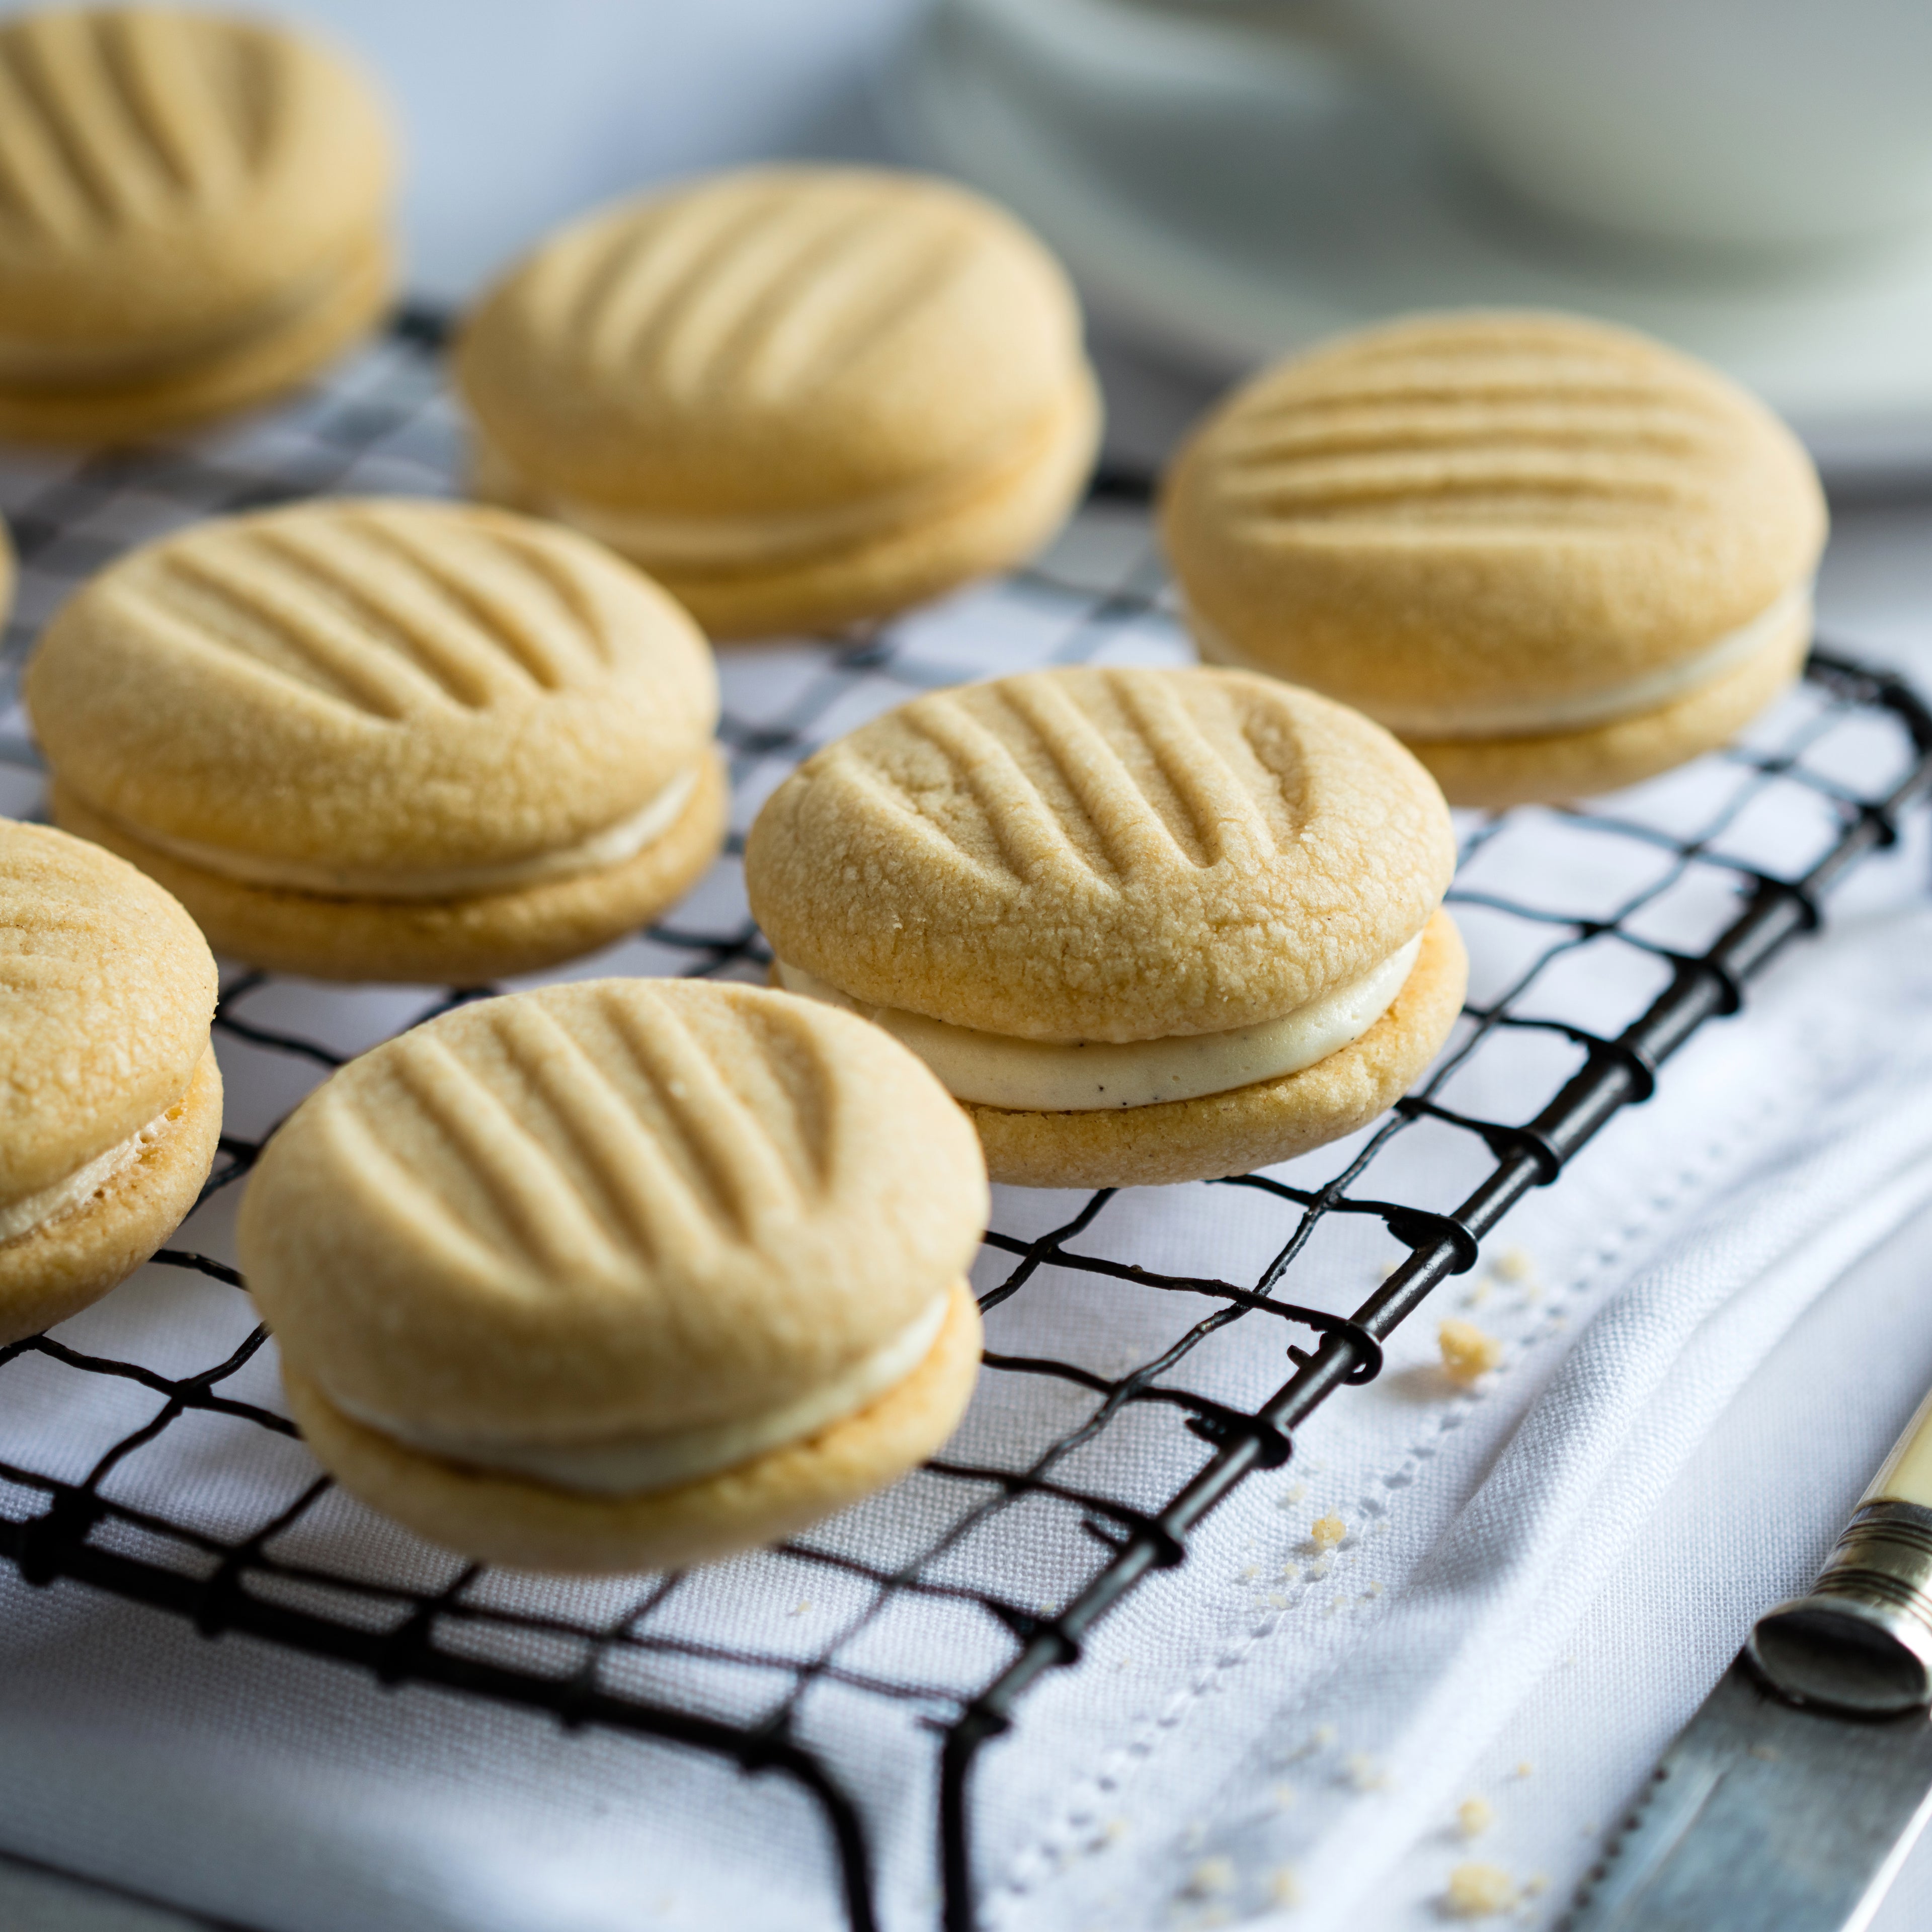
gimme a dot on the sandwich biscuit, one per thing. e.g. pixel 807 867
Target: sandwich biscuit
pixel 1554 556
pixel 112 1099
pixel 622 1274
pixel 387 739
pixel 194 214
pixel 798 397
pixel 1145 925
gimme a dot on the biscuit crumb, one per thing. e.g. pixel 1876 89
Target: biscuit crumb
pixel 1514 1265
pixel 1290 1496
pixel 1477 1891
pixel 1209 1879
pixel 1284 1795
pixel 1535 1885
pixel 799 1608
pixel 1467 1354
pixel 1327 1532
pixel 1473 1817
pixel 1277 1601
pixel 1480 1293
pixel 1284 1888
pixel 1322 1736
pixel 1365 1774
pixel 1524 1769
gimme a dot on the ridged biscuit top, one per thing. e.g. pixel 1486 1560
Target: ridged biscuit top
pixel 776 339
pixel 619 1207
pixel 106 989
pixel 1101 854
pixel 1521 504
pixel 373 682
pixel 165 172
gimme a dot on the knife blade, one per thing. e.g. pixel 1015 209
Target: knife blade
pixel 1789 1802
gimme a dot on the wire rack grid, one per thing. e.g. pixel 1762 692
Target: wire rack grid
pixel 1855 750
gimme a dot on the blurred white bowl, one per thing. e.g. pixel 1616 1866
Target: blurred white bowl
pixel 1223 195
pixel 1747 124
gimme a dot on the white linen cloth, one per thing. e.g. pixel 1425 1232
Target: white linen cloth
pixel 1538 1498
pixel 1261 1724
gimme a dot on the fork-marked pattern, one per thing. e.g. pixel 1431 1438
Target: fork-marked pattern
pixel 1460 430
pixel 114 118
pixel 581 1145
pixel 392 616
pixel 1112 780
pixel 749 288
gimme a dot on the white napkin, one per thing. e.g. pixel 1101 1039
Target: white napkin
pixel 1312 1775
pixel 1261 1724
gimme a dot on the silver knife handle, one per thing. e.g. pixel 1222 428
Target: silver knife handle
pixel 1861 1641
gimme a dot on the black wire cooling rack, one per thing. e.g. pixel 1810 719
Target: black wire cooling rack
pixel 1853 750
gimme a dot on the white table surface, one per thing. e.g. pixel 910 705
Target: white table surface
pixel 519 112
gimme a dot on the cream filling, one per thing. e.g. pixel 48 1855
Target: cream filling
pixel 1087 1076
pixel 82 366
pixel 640 1465
pixel 611 847
pixel 717 542
pixel 723 542
pixel 1452 717
pixel 32 1211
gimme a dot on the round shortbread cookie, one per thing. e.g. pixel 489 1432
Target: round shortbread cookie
pixel 377 683
pixel 1248 1127
pixel 480 722
pixel 495 1519
pixel 1091 854
pixel 196 208
pixel 1480 527
pixel 601 1219
pixel 1238 878
pixel 796 395
pixel 104 1058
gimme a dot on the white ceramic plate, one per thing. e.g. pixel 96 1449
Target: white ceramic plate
pixel 1222 196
